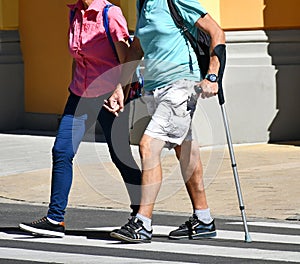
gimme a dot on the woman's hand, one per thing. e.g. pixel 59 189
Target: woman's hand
pixel 115 103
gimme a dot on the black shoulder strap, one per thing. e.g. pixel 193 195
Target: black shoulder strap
pixel 175 15
pixel 179 21
pixel 200 47
pixel 141 3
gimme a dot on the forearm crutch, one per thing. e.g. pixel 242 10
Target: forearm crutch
pixel 220 52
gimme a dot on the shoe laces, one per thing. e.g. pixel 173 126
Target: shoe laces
pixel 133 224
pixel 44 219
pixel 190 223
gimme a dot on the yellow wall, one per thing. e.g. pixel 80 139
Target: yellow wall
pixel 47 63
pixel 44 24
pixel 266 14
pixel 213 8
pixel 9 10
pixel 237 14
pixel 282 14
pixel 129 11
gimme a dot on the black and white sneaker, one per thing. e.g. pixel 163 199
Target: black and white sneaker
pixel 43 227
pixel 194 229
pixel 133 232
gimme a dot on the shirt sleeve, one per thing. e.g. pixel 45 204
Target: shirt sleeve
pixel 190 10
pixel 117 24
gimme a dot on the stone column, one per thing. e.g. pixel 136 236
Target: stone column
pixel 11 68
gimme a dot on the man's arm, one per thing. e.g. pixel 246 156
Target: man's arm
pixel 122 47
pixel 115 103
pixel 131 62
pixel 211 27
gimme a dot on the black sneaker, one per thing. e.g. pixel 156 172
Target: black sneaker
pixel 194 229
pixel 133 232
pixel 43 227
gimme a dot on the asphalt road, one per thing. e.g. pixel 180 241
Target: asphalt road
pixel 87 240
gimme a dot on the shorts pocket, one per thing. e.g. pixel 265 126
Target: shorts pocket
pixel 180 120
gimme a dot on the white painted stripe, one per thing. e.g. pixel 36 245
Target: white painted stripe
pixel 268 224
pixel 57 257
pixel 189 249
pixel 259 237
pixel 225 234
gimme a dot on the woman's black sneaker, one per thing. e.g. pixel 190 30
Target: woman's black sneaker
pixel 133 232
pixel 194 229
pixel 43 227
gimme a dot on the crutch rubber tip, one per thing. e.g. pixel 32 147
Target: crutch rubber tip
pixel 248 238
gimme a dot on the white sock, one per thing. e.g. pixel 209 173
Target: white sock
pixel 53 221
pixel 204 215
pixel 147 222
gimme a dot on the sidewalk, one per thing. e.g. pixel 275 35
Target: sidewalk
pixel 269 177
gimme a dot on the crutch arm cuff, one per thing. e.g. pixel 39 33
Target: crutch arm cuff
pixel 220 52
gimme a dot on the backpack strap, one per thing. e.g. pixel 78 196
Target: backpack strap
pixel 138 83
pixel 179 22
pixel 199 45
pixel 106 26
pixel 141 3
pixel 72 15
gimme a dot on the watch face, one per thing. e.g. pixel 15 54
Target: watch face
pixel 212 77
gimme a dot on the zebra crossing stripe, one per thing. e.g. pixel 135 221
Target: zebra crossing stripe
pixel 166 247
pixel 259 237
pixel 268 224
pixel 57 257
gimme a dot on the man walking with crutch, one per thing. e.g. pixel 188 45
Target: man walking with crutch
pixel 171 72
pixel 171 75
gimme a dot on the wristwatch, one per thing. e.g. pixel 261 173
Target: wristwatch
pixel 211 77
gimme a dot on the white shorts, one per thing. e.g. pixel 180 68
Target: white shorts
pixel 171 120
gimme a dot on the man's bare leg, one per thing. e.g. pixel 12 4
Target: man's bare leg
pixel 192 172
pixel 139 228
pixel 150 151
pixel 201 223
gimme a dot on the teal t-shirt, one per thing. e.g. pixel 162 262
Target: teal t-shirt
pixel 168 56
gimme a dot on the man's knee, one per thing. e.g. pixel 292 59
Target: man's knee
pixel 144 147
pixel 150 150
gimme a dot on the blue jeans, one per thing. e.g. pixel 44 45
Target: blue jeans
pixel 79 115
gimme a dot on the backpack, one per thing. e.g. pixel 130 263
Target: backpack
pixel 137 78
pixel 200 44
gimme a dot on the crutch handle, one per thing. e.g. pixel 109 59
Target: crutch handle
pixel 220 52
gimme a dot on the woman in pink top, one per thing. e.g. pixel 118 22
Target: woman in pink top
pixel 95 73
